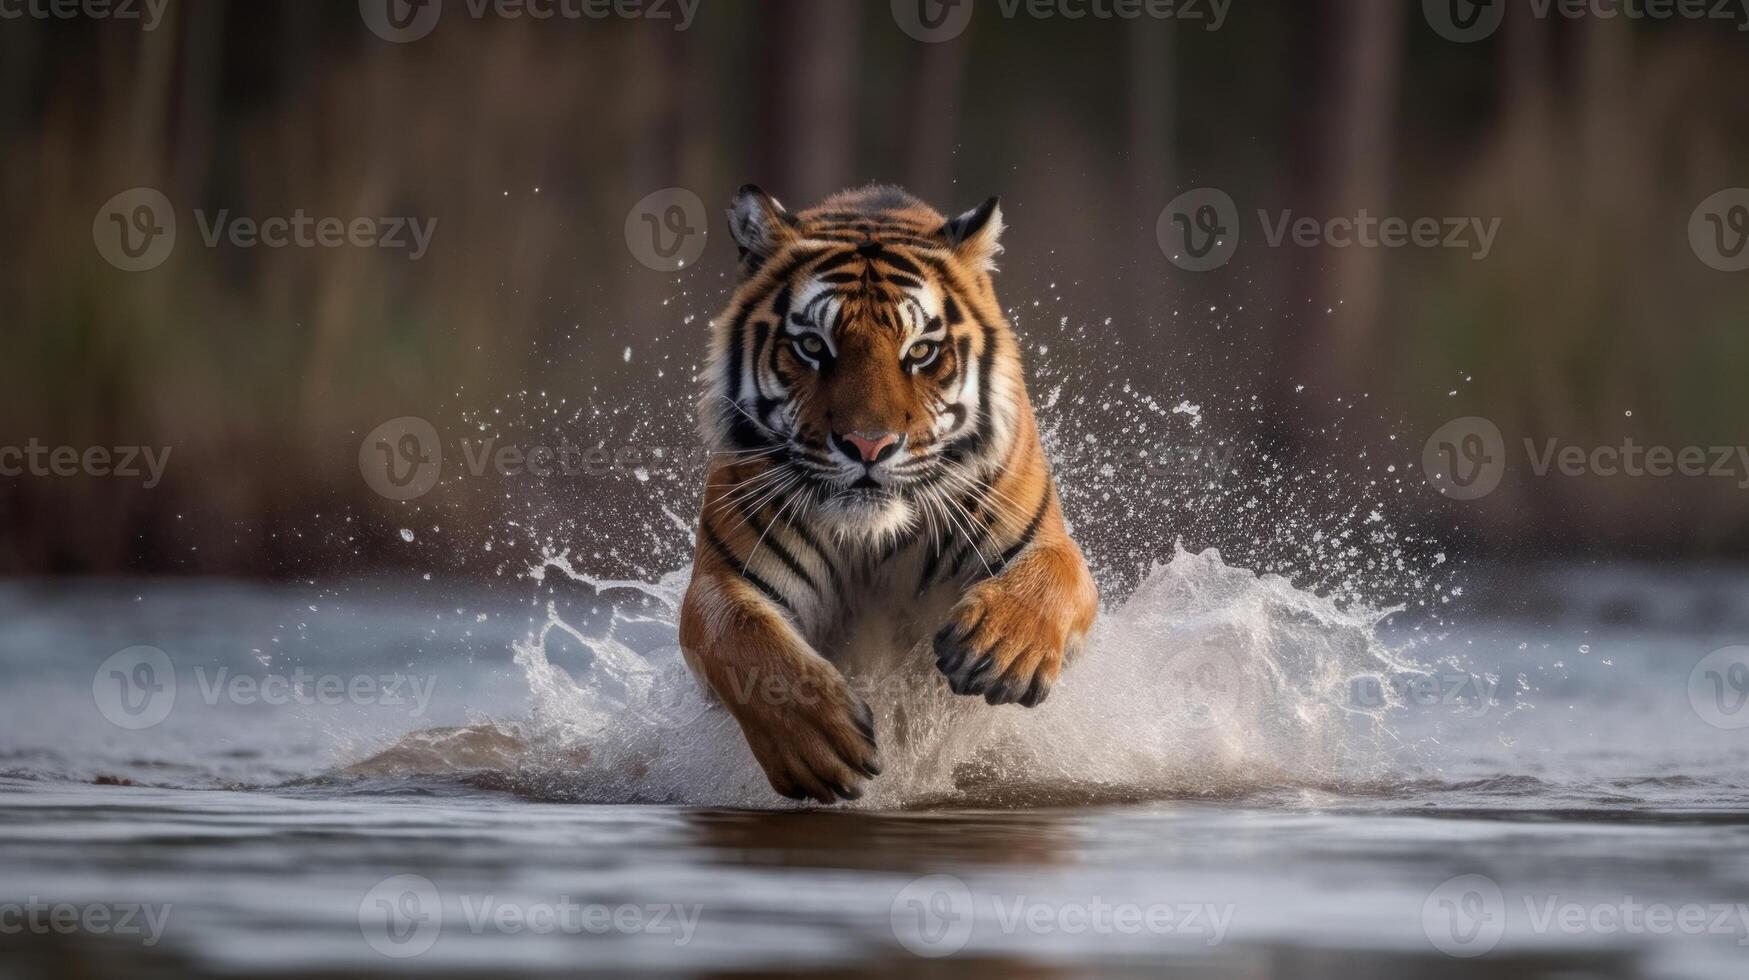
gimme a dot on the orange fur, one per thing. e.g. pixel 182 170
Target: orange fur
pixel 877 457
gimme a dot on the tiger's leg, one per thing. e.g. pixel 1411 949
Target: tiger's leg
pixel 1009 635
pixel 814 738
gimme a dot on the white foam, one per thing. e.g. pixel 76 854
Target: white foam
pixel 1207 680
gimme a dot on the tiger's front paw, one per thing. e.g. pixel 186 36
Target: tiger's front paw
pixel 813 737
pixel 1002 647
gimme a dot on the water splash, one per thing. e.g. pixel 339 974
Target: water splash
pixel 1202 678
pixel 1208 680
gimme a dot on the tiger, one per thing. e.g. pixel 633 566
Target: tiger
pixel 876 485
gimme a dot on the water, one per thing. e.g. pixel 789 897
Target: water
pixel 1325 750
pixel 1240 778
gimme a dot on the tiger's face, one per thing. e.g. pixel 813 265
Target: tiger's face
pixel 857 362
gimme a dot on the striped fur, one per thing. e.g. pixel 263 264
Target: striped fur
pixel 876 472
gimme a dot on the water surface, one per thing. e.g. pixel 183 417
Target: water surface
pixel 1552 795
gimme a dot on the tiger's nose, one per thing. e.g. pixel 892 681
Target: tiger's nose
pixel 865 448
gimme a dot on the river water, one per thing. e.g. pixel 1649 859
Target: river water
pixel 1239 779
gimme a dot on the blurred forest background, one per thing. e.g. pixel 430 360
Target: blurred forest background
pixel 1592 140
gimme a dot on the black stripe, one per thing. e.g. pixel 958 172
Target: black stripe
pixel 929 567
pixel 739 568
pixel 777 548
pixel 901 263
pixel 983 426
pixel 737 339
pixel 761 332
pixel 808 539
pixel 1031 529
pixel 982 528
pixel 886 238
pixel 838 261
pixel 737 348
pixel 849 217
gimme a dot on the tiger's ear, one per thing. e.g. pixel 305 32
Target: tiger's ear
pixel 976 236
pixel 759 225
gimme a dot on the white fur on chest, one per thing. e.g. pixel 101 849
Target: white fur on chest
pixel 881 626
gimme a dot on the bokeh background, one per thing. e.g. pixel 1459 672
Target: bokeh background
pixel 531 141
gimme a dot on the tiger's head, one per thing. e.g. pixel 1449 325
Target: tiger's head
pixel 863 363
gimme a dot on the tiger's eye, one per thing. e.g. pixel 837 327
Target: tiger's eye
pixel 813 345
pixel 921 351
